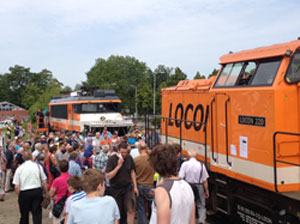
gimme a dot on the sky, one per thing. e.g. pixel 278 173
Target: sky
pixel 67 36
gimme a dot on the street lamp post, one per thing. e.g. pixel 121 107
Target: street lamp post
pixel 154 90
pixel 136 109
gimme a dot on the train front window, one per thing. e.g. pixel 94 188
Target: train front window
pixel 266 72
pixel 98 108
pixel 250 73
pixel 229 75
pixel 247 74
pixel 293 72
pixel 89 108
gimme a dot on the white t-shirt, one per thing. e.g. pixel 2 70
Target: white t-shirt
pixel 182 197
pixel 28 176
pixel 192 170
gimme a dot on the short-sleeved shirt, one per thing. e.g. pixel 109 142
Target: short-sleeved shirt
pixel 88 151
pixel 59 155
pixel 193 171
pixel 131 141
pixel 74 197
pixel 100 161
pixel 144 172
pixel 9 157
pixel 123 177
pixel 97 210
pixel 19 158
pixel 61 186
pixel 96 144
pixel 29 176
pixel 105 142
pixel 74 168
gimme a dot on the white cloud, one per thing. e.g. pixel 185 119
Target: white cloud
pixel 191 34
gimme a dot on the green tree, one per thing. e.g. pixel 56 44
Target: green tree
pixel 198 76
pixel 214 72
pixel 53 89
pixel 172 81
pixel 119 73
pixel 145 97
pixel 66 89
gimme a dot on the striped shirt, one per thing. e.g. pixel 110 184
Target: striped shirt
pixel 74 197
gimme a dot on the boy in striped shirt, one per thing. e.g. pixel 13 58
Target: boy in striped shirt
pixel 75 188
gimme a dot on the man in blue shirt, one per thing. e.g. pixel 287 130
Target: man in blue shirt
pixel 74 168
pixel 88 152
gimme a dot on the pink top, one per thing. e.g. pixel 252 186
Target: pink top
pixel 61 186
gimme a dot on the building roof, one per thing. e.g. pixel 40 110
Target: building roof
pixel 7 106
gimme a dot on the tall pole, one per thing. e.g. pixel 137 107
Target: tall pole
pixel 154 87
pixel 136 109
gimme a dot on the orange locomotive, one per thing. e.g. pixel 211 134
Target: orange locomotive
pixel 245 124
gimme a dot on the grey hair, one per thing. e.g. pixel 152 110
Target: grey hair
pixel 42 156
pixel 38 146
pixel 27 155
pixel 192 153
pixel 105 148
pixel 44 146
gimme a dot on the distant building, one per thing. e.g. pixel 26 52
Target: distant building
pixel 9 111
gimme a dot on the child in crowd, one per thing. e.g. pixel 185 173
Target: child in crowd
pixel 95 208
pixel 75 188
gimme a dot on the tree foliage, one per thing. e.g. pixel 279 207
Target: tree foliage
pixel 213 73
pixel 199 76
pixel 24 88
pixel 122 74
pixel 126 74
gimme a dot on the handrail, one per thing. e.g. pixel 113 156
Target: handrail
pixel 275 157
pixel 167 119
pixel 212 131
pixel 226 124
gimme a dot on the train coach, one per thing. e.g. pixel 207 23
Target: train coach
pixel 245 125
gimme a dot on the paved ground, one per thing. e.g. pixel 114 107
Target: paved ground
pixel 9 211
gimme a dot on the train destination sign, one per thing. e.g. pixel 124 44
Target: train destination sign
pixel 252 120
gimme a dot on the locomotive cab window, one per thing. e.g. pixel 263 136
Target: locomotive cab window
pixel 249 73
pixel 229 75
pixel 293 72
pixel 266 72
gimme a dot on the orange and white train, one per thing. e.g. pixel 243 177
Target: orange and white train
pixel 88 113
pixel 245 125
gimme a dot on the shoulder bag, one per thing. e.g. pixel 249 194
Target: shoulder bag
pixel 59 206
pixel 46 201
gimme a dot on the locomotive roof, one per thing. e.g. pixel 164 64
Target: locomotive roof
pixel 83 98
pixel 261 52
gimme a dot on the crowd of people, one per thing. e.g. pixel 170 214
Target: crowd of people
pixel 103 178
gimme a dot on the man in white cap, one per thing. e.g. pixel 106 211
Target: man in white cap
pixel 195 173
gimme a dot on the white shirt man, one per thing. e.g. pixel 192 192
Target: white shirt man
pixel 29 180
pixel 96 143
pixel 195 173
